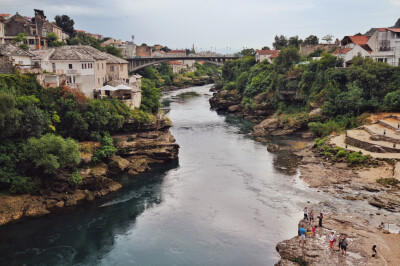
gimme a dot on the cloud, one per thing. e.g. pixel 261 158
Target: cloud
pixel 395 2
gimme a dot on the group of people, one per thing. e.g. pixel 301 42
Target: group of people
pixel 342 242
pixel 309 218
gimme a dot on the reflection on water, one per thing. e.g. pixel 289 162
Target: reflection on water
pixel 86 233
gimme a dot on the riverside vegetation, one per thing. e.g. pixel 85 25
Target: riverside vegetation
pixel 163 77
pixel 318 95
pixel 58 148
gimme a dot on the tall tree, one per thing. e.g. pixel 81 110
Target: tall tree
pixel 312 40
pixel 66 24
pixel 328 38
pixel 265 48
pixel 295 41
pixel 280 42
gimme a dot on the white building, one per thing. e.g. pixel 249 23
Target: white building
pixel 20 58
pixel 385 45
pixel 269 55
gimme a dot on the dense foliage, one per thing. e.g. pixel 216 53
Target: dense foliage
pixel 39 129
pixel 163 77
pixel 343 94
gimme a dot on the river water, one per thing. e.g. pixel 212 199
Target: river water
pixel 227 201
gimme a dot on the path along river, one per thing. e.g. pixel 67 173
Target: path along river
pixel 227 201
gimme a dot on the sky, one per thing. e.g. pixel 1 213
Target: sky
pixel 222 25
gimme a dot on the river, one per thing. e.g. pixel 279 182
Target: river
pixel 227 201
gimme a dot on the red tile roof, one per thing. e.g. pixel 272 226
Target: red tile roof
pixel 382 29
pixel 363 39
pixel 397 30
pixel 342 50
pixel 272 53
pixel 5 15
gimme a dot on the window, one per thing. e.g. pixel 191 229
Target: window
pixel 69 66
pixel 31 41
pixel 83 66
pixel 102 65
pixel 53 65
pixel 98 81
pixel 98 66
pixel 112 68
pixel 122 67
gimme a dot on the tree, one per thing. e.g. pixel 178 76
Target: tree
pixel 248 52
pixel 50 153
pixel 66 24
pixel 21 41
pixel 53 39
pixel 150 97
pixel 286 59
pixel 10 116
pixel 328 38
pixel 113 50
pixel 280 42
pixel 265 48
pixel 295 41
pixel 311 40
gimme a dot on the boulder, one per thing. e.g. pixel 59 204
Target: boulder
pixel 273 148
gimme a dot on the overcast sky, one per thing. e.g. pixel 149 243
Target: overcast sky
pixel 222 24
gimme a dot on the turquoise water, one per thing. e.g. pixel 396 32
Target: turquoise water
pixel 226 201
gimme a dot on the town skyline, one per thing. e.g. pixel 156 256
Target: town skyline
pixel 222 26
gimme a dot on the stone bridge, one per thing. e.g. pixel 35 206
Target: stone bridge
pixel 138 63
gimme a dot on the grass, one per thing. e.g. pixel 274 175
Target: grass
pixel 389 182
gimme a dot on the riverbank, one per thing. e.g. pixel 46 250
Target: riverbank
pixel 136 150
pixel 355 184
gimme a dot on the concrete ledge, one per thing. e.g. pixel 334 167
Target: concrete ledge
pixel 369 146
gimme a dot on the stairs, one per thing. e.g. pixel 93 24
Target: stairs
pixel 380 139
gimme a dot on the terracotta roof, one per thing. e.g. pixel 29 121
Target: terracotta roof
pixel 175 63
pixel 382 29
pixel 5 15
pixel 397 30
pixel 273 53
pixel 342 50
pixel 10 50
pixel 177 52
pixel 363 39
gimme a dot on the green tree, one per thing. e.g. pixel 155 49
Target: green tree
pixel 312 40
pixel 248 52
pixel 280 42
pixel 53 39
pixel 286 59
pixel 66 24
pixel 392 101
pixel 113 50
pixel 10 116
pixel 51 153
pixel 265 48
pixel 150 96
pixel 295 41
pixel 21 41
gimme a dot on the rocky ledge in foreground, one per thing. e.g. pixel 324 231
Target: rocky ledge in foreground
pixel 136 150
pixel 361 237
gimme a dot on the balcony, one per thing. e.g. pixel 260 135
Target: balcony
pixel 72 71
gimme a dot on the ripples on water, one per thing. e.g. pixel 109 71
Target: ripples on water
pixel 227 201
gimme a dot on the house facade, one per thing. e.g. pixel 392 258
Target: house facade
pixel 269 55
pixel 385 45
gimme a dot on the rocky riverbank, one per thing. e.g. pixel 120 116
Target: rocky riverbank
pixel 152 144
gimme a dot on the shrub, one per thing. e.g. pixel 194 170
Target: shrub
pixel 106 149
pixel 319 142
pixel 75 178
pixel 50 152
pixel 341 153
pixel 393 182
pixel 357 158
pixel 21 185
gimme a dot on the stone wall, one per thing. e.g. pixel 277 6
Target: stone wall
pixel 307 49
pixel 6 65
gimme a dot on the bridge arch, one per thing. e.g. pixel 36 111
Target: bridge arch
pixel 136 64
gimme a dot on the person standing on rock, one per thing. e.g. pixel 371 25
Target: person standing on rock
pixel 332 239
pixel 313 228
pixel 320 217
pixel 344 245
pixel 302 236
pixel 311 215
pixel 341 237
pixel 305 214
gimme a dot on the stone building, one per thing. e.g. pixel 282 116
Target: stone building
pixel 143 51
pixel 19 58
pixel 269 55
pixel 35 29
